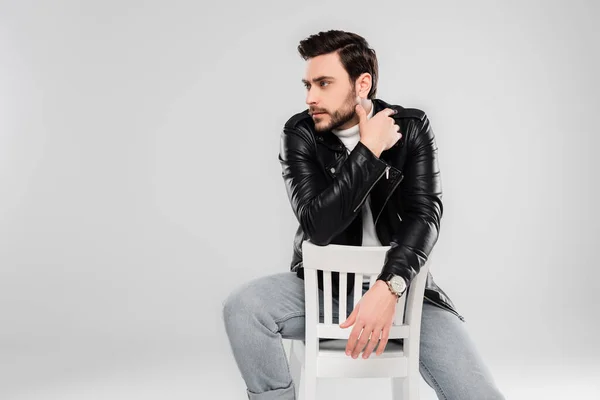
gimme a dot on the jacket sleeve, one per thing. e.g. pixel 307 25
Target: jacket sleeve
pixel 323 208
pixel 420 208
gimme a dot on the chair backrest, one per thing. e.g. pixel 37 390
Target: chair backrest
pixel 365 263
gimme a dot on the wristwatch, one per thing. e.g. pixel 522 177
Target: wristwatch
pixel 396 283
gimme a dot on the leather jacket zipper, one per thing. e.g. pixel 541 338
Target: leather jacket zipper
pixel 446 308
pixel 389 194
pixel 387 168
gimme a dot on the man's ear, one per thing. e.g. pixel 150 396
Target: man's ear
pixel 363 85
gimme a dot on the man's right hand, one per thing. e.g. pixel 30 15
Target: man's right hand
pixel 380 132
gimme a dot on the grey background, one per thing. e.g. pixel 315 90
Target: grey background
pixel 139 183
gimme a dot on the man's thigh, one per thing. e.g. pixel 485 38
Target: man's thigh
pixel 449 360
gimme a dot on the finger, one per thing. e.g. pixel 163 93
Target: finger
pixel 399 134
pixel 353 339
pixel 362 341
pixel 389 111
pixel 397 127
pixel 362 114
pixel 350 320
pixel 372 342
pixel 385 334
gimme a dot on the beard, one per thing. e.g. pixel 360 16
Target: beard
pixel 339 117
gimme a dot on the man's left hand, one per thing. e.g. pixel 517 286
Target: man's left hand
pixel 373 316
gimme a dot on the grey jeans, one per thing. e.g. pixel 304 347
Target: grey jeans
pixel 259 313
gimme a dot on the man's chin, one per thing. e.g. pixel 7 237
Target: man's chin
pixel 322 126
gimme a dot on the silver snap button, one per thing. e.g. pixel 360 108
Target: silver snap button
pixel 332 170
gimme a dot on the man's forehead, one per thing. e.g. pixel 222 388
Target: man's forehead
pixel 326 66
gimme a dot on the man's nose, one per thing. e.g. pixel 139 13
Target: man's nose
pixel 311 97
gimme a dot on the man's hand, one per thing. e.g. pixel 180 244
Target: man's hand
pixel 380 132
pixel 373 315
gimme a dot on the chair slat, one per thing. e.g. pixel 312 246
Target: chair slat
pixel 311 300
pixel 358 283
pixel 402 303
pixel 372 280
pixel 342 298
pixel 327 296
pixel 400 310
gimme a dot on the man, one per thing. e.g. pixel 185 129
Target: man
pixel 358 171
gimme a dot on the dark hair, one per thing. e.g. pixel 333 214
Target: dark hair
pixel 353 50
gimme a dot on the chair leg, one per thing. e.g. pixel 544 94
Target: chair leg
pixel 405 388
pixel 296 368
pixel 399 387
pixel 308 389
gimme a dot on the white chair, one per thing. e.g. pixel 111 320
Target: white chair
pixel 311 359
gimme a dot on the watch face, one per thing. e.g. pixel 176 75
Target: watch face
pixel 398 284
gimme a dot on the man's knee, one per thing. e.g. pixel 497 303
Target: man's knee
pixel 242 303
pixel 234 305
pixel 262 301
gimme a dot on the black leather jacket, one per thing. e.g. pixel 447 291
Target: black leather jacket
pixel 327 188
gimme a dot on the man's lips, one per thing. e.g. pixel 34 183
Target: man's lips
pixel 318 113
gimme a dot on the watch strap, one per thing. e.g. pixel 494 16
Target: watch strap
pixel 385 276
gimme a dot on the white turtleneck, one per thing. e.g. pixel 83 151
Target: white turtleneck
pixel 350 137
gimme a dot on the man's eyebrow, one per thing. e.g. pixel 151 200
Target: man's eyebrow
pixel 319 78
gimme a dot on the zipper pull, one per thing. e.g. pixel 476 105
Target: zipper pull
pixel 387 172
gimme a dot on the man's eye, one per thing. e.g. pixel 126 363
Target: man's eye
pixel 320 83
